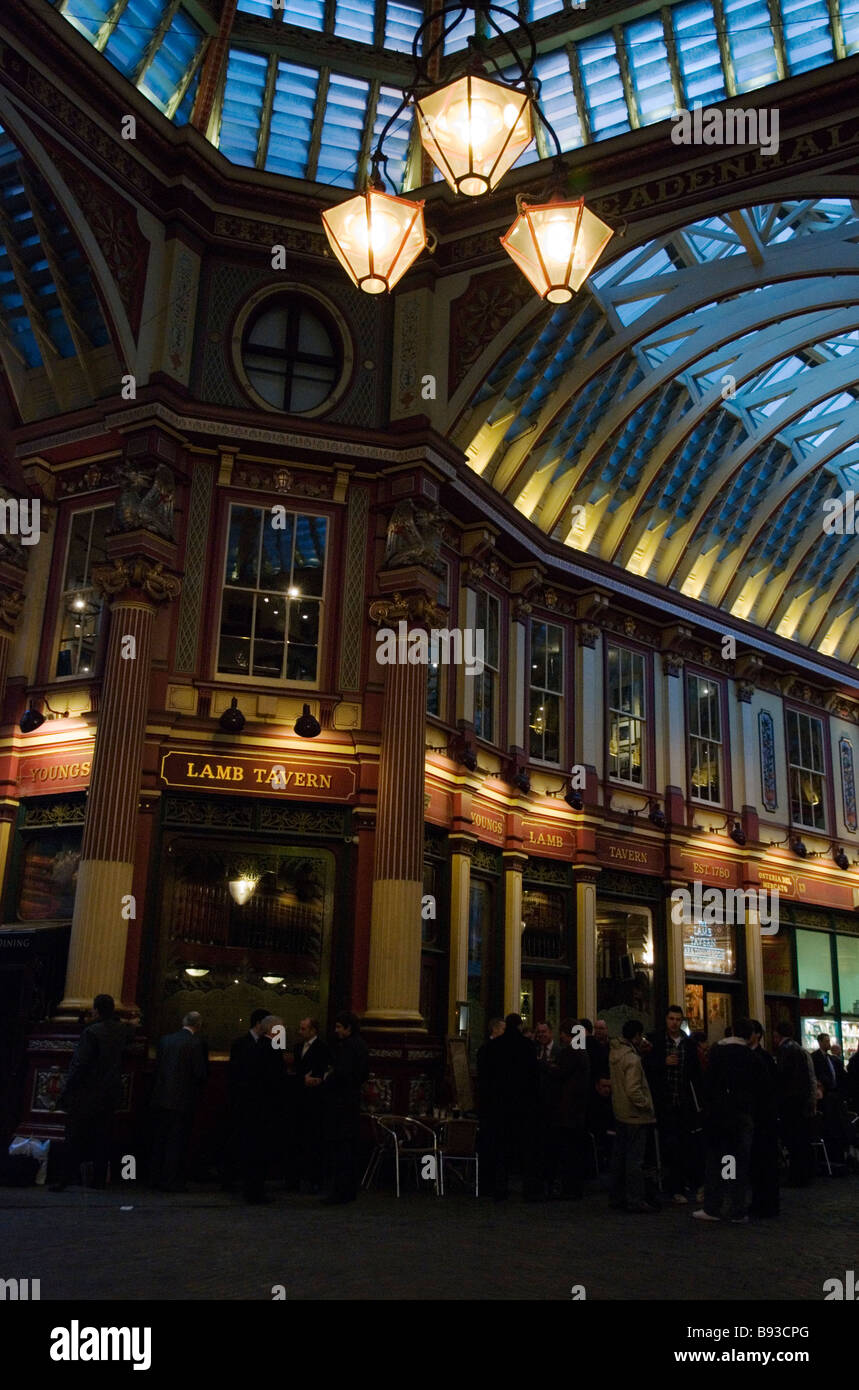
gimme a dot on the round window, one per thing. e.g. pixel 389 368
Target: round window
pixel 291 354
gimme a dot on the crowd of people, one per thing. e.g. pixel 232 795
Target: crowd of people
pixel 672 1118
pixel 302 1102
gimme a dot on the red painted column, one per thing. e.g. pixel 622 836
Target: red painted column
pixel 138 585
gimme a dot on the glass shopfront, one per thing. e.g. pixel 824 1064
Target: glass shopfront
pixel 625 964
pixel 811 975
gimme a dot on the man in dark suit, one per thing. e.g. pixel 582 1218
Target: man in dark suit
pixel 311 1058
pixel 829 1071
pixel 571 1076
pixel 181 1071
pixel 256 1084
pixel 797 1100
pixel 600 1119
pixel 510 1103
pixel 674 1075
pixel 93 1091
pixel 342 1096
pixel 764 1159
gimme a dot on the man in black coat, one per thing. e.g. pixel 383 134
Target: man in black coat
pixel 311 1058
pixel 93 1091
pixel 764 1164
pixel 733 1090
pixel 510 1103
pixel 797 1101
pixel 256 1084
pixel 571 1089
pixel 181 1071
pixel 829 1071
pixel 673 1073
pixel 600 1117
pixel 342 1096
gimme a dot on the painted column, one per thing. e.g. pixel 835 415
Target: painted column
pixel 586 940
pixel 461 850
pixel 138 586
pixel 676 969
pixel 514 864
pixel 393 987
pixel 11 604
pixel 754 963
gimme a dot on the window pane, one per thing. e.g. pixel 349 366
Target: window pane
pixel 243 546
pixel 848 972
pixel 814 965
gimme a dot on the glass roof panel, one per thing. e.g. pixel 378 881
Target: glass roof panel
pixel 172 61
pixel 242 108
pixel 750 42
pixel 649 69
pixel 355 19
pixel 292 110
pixel 850 24
pixel 342 128
pixel 397 139
pixel 132 34
pixel 558 99
pixel 600 68
pixel 807 36
pixel 698 53
pixel 401 25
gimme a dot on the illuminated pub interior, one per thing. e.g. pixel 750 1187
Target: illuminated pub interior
pixel 325 321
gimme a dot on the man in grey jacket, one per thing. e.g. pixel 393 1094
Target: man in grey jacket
pixel 634 1114
pixel 181 1071
pixel 93 1090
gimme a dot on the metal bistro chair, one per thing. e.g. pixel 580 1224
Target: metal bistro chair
pixel 407 1140
pixel 458 1144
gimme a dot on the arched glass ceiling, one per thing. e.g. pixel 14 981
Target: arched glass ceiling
pixel 691 438
pixel 299 117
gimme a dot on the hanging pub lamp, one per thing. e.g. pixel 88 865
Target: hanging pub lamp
pixel 473 127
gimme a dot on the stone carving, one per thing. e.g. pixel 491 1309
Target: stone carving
pixel 414 538
pixel 416 609
pixel 136 573
pixel 11 603
pixel 145 500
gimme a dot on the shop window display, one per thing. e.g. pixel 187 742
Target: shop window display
pixel 625 967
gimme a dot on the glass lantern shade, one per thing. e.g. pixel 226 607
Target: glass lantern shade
pixel 474 130
pixel 376 237
pixel 556 246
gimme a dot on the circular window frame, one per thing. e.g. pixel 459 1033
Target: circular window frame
pixel 336 322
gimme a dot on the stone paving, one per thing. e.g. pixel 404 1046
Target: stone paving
pixel 206 1244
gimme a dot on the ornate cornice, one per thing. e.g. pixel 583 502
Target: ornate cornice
pixel 588 634
pixel 11 604
pixel 136 573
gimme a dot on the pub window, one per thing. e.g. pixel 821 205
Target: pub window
pixel 271 615
pixel 805 757
pixel 480 916
pixel 486 684
pixel 626 715
pixel 80 602
pixel 705 738
pixel 625 965
pixel 546 692
pixel 544 925
pixel 814 967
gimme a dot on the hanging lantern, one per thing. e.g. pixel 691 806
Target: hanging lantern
pixel 556 246
pixel 376 237
pixel 474 130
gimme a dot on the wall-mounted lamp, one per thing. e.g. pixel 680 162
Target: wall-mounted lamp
pixel 841 858
pixel 31 720
pixel 232 721
pixel 737 833
pixel 242 889
pixel 306 726
pixel 799 847
pixel 656 815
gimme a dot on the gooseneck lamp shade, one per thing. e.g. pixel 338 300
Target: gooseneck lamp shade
pixel 232 721
pixel 306 726
pixel 474 130
pixel 376 237
pixel 556 246
pixel 31 720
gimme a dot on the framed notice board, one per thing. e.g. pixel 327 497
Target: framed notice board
pixel 457 1056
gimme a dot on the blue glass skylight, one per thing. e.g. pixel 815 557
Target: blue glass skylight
pixel 807 36
pixel 397 139
pixel 401 25
pixel 558 99
pixel 459 34
pixel 698 53
pixel 291 119
pixel 649 70
pixel 241 113
pixel 750 42
pixel 342 128
pixel 263 8
pixel 603 85
pixel 87 15
pixel 174 57
pixel 355 19
pixel 130 39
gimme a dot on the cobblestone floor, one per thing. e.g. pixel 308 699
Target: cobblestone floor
pixel 206 1244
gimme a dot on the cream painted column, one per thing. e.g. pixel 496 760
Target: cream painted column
pixel 514 863
pixel 586 939
pixel 673 741
pixel 749 746
pixel 517 677
pixel 676 968
pixel 393 987
pixel 461 850
pixel 100 922
pixel 754 964
pixel 588 750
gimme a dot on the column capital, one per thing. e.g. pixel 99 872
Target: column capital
pixel 586 873
pixel 587 634
pixel 462 843
pixel 514 860
pixel 745 691
pixel 136 577
pixel 673 663
pixel 416 609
